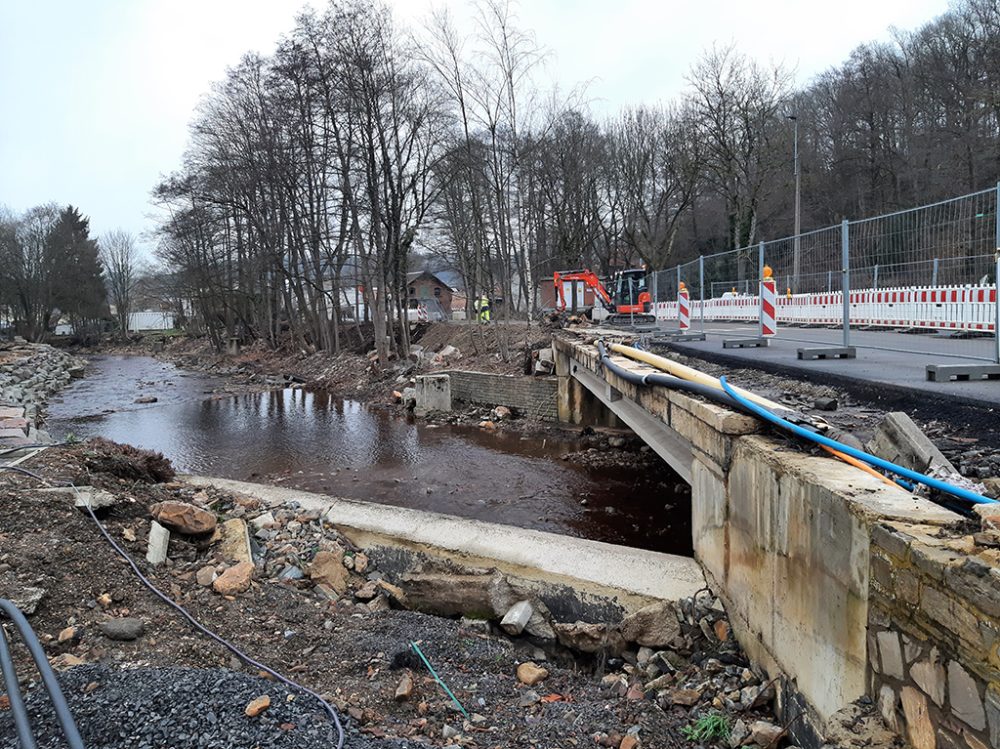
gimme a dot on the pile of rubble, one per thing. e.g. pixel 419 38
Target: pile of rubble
pixel 680 655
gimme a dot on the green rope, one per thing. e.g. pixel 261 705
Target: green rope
pixel 438 679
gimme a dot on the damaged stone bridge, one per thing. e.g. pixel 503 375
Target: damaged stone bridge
pixel 840 586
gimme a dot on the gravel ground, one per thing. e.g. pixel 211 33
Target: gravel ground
pixel 138 708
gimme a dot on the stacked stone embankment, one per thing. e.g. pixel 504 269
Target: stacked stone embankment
pixel 29 374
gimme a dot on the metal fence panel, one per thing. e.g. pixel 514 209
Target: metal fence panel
pixel 921 280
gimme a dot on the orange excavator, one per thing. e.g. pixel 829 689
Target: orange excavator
pixel 628 302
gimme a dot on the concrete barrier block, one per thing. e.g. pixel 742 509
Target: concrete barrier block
pixel 433 393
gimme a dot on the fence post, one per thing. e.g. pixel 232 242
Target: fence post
pixel 996 280
pixel 875 280
pixel 934 273
pixel 760 295
pixel 845 260
pixel 701 289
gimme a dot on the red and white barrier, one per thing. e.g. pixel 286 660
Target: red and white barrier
pixel 768 307
pixel 684 308
pixel 422 315
pixel 965 308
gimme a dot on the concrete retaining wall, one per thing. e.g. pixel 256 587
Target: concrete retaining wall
pixel 786 540
pixel 532 396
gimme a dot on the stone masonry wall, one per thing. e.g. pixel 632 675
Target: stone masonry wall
pixel 934 618
pixel 531 396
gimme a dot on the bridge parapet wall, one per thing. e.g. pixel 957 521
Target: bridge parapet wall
pixel 794 544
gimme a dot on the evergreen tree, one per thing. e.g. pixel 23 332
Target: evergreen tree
pixel 75 272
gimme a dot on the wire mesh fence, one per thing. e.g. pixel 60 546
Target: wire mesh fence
pixel 921 280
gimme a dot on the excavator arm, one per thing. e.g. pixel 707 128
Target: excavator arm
pixel 590 279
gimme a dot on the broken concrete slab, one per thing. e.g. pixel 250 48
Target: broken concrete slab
pixel 900 440
pixel 159 540
pixel 432 393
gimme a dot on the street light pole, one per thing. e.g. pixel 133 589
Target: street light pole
pixel 797 257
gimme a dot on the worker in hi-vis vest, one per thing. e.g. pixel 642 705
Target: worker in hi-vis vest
pixel 483 308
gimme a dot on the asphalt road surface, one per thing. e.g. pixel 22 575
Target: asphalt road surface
pixel 899 362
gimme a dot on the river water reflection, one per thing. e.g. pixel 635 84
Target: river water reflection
pixel 321 443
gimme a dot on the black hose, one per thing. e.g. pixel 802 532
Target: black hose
pixel 63 713
pixel 16 701
pixel 669 381
pixel 191 620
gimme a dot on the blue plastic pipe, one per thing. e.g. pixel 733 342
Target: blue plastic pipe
pixel 885 465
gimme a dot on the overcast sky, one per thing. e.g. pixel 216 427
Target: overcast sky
pixel 95 96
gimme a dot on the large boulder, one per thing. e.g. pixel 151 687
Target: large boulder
pixel 183 517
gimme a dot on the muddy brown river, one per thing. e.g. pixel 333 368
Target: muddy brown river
pixel 321 443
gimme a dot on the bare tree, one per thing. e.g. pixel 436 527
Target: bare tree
pixel 118 253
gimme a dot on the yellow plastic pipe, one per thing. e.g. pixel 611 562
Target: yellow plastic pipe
pixel 688 373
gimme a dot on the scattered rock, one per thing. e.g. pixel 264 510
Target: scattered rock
pixel 686 697
pixel 235 543
pixel 159 541
pixel 68 635
pixel 122 629
pixel 234 580
pixel 183 517
pixel 257 706
pixel 516 618
pixel 654 626
pixel 66 660
pixel 531 673
pixel 360 563
pixel 366 592
pixel 205 576
pixel 825 404
pixel 635 693
pixel 262 521
pixel 26 598
pixel 722 630
pixel 589 638
pixel 405 688
pixel 146 399
pixel 764 733
pixel 328 568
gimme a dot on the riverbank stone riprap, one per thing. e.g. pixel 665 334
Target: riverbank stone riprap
pixel 29 374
